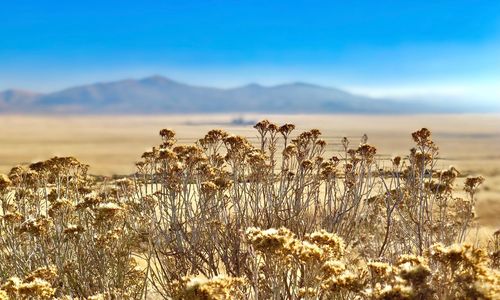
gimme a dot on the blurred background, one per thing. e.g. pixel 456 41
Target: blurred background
pixel 293 56
pixel 98 79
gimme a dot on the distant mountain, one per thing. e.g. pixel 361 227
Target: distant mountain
pixel 158 94
pixel 17 100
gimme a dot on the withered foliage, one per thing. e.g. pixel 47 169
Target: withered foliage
pixel 226 218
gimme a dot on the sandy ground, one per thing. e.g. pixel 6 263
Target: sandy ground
pixel 111 144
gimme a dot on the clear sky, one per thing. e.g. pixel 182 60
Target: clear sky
pixel 374 47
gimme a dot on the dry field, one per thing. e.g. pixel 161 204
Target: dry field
pixel 240 218
pixel 111 144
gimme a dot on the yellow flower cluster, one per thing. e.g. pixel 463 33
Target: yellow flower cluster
pixel 217 288
pixel 36 285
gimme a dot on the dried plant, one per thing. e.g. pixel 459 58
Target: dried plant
pixel 228 219
pixel 55 216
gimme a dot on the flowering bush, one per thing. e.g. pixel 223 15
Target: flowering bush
pixel 229 219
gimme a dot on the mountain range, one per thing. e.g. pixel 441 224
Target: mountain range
pixel 157 94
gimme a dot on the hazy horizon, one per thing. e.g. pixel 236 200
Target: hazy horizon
pixel 400 94
pixel 382 49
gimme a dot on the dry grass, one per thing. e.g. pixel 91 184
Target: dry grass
pixel 110 144
pixel 273 217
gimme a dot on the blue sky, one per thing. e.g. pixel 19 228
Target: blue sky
pixel 403 48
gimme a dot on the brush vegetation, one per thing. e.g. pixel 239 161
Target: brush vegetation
pixel 227 219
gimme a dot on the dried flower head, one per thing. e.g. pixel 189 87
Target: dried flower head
pixel 5 182
pixel 39 227
pixel 36 289
pixel 422 137
pixel 472 184
pixel 286 129
pixel 217 288
pixel 108 211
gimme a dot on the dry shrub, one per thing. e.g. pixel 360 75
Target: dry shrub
pixel 56 217
pixel 228 219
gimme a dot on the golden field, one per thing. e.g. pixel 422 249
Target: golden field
pixel 238 217
pixel 112 144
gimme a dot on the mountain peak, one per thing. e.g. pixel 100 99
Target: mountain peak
pixel 253 85
pixel 18 91
pixel 158 94
pixel 303 84
pixel 157 79
pixel 17 97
